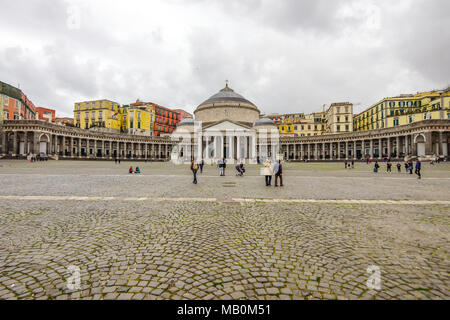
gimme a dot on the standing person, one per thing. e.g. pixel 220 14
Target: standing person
pixel 268 172
pixel 406 166
pixel 418 167
pixel 202 163
pixel 399 167
pixel 353 164
pixel 345 164
pixel 278 171
pixel 119 160
pixel 224 165
pixel 194 168
pixel 115 160
pixel 389 166
pixel 220 165
pixel 410 167
pixel 375 167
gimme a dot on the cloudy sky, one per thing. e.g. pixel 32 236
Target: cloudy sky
pixel 285 56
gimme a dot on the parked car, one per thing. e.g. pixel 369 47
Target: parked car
pixel 42 156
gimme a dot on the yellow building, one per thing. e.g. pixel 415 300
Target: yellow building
pixel 299 124
pixel 137 119
pixel 110 116
pixel 404 109
pixel 99 113
pixel 339 117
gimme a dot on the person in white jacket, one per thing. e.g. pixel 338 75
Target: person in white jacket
pixel 268 172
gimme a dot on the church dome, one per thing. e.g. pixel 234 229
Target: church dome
pixel 227 105
pixel 226 95
pixel 264 122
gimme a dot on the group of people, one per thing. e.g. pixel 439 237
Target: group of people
pixel 408 167
pixel 117 160
pixel 349 165
pixel 269 171
pixel 137 170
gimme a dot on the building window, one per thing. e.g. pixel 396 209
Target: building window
pixel 346 109
pixel 309 127
pixel 410 119
pixel 93 115
pixel 346 128
pixel 338 109
pixel 100 114
pixel 295 128
pixel 338 127
pixel 78 116
pixel 338 119
pixel 86 117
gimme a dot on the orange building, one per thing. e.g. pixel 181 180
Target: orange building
pixel 14 104
pixel 45 114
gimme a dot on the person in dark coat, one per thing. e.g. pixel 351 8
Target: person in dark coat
pixel 278 172
pixel 418 167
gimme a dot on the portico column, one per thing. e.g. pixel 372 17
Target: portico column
pixel 371 148
pixel 354 149
pixel 323 150
pixel 380 148
pixel 389 146
pixel 15 143
pixel 79 147
pixel 309 151
pixel 303 151
pixel 397 146
pixel 346 150
pixel 440 151
pixel 339 150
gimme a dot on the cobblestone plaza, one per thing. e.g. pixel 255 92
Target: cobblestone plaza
pixel 158 236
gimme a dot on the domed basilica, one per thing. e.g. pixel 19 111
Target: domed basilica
pixel 226 126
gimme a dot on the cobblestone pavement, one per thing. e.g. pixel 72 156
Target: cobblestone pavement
pixel 218 249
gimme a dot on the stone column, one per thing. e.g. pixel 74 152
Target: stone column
pixel 354 149
pixel 79 147
pixel 95 148
pixel 346 150
pixel 36 143
pixel 15 143
pixel 380 148
pixel 371 148
pixel 339 150
pixel 389 146
pixel 309 151
pixel 397 146
pixel 440 151
pixel 323 150
pixel 63 146
pixel 4 146
pixel 406 145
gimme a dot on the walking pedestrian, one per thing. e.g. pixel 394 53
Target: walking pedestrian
pixel 220 165
pixel 389 166
pixel 406 166
pixel 345 165
pixel 375 167
pixel 268 172
pixel 410 167
pixel 353 164
pixel 278 171
pixel 224 165
pixel 194 168
pixel 202 163
pixel 418 167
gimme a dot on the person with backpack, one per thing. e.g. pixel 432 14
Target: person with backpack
pixel 375 167
pixel 194 168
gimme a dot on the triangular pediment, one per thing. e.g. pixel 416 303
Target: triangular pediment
pixel 227 125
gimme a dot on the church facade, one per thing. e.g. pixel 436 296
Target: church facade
pixel 226 126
